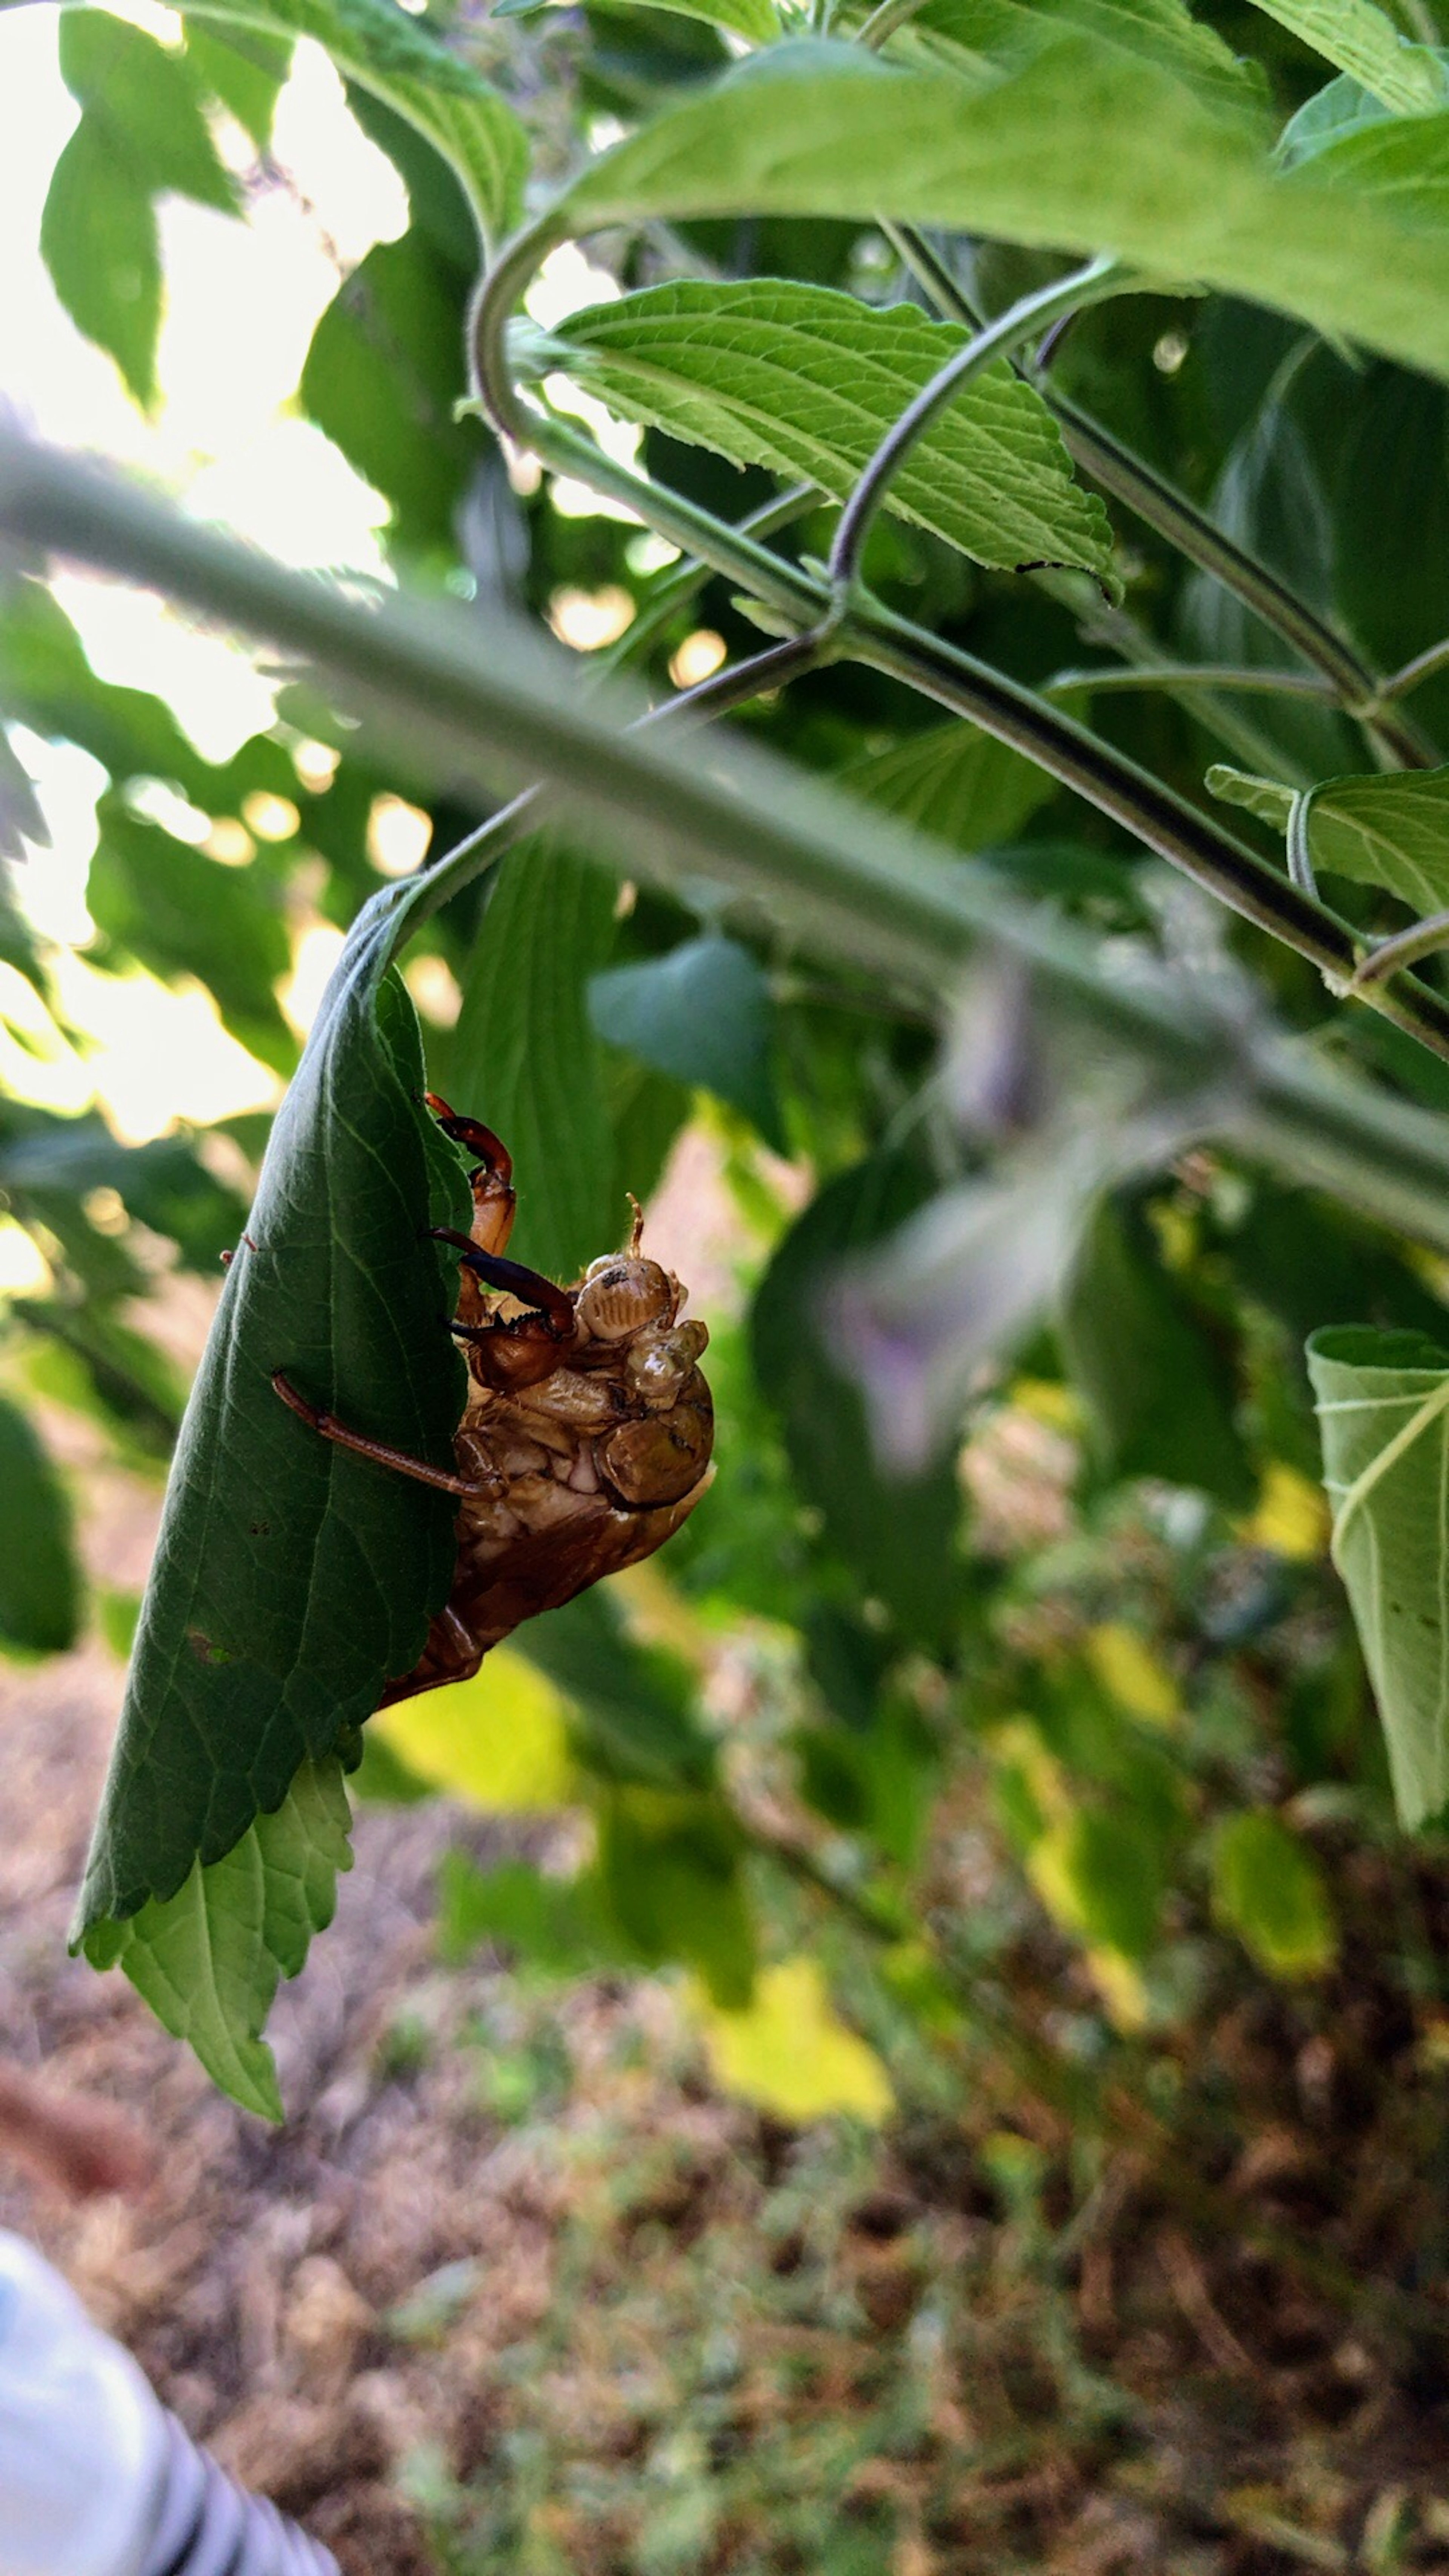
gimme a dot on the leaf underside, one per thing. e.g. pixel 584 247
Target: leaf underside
pixel 1383 1412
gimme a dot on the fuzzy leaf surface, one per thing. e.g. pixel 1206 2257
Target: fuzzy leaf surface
pixel 806 382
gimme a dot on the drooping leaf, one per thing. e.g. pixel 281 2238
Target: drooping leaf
pixel 898 1537
pixel 98 235
pixel 702 1014
pixel 954 782
pixel 807 381
pixel 1358 38
pixel 1268 1887
pixel 524 1059
pixel 1159 1390
pixel 1383 1413
pixel 383 373
pixel 208 1959
pixel 292 1579
pixel 388 51
pixel 1388 829
pixel 1083 147
pixel 117 1373
pixel 147 100
pixel 39 1576
pixel 50 1165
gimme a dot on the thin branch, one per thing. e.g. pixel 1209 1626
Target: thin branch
pixel 1031 314
pixel 1193 675
pixel 723 690
pixel 463 692
pixel 1424 666
pixel 1404 949
pixel 1152 812
pixel 1144 492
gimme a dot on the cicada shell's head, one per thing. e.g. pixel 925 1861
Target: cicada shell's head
pixel 624 1294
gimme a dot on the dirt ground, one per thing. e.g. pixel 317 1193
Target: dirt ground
pixel 514 2277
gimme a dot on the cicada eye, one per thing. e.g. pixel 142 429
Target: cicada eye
pixel 623 1295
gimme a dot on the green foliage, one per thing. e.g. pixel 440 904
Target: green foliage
pixel 702 1015
pixel 1105 1599
pixel 292 1578
pixel 208 1957
pixel 1383 1406
pixel 898 1540
pixel 807 382
pixel 1077 148
pixel 524 1056
pixel 1384 831
pixel 1268 1886
pixel 1360 39
pixel 39 1584
pixel 1158 1386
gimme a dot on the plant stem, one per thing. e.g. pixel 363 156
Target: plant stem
pixel 1130 480
pixel 462 692
pixel 1404 949
pixel 436 885
pixel 1191 675
pixel 1424 666
pixel 1150 811
pixel 998 339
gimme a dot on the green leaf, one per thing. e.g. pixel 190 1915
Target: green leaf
pixel 1268 1887
pixel 1358 38
pixel 245 70
pixel 757 20
pixel 388 51
pixel 524 1058
pixel 703 1014
pixel 158 900
pixel 39 1577
pixel 1383 1414
pixel 807 382
pixel 898 1537
pixel 208 1960
pixel 99 240
pixel 48 1165
pixel 292 1579
pixel 1268 798
pixel 635 1707
pixel 383 373
pixel 990 32
pixel 557 1926
pixel 670 1873
pixel 1084 147
pixel 1389 830
pixel 1159 1391
pixel 146 101
pixel 955 783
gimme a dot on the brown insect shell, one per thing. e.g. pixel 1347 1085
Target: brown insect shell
pixel 623 1294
